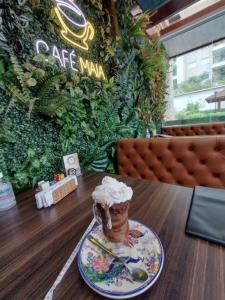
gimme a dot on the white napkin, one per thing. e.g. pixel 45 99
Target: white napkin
pixel 45 199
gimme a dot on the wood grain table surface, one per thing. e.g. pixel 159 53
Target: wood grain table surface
pixel 35 244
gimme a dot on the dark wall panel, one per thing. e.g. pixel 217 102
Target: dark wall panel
pixel 172 7
pixel 151 4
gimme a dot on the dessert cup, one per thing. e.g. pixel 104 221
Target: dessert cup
pixel 119 221
pixel 111 205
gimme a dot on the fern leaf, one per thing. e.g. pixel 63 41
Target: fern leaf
pixel 138 27
pixel 51 107
pixel 18 94
pixel 45 87
pixel 19 73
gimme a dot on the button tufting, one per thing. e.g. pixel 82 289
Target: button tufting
pixel 148 160
pixel 216 174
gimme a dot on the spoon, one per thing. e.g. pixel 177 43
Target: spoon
pixel 137 274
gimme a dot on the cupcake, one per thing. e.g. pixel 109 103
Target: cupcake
pixel 112 201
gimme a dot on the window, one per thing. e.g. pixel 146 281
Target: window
pixel 219 55
pixel 204 61
pixel 194 78
pixel 174 18
pixel 219 44
pixel 175 84
pixel 191 65
pixel 219 74
pixel 174 70
pixel 174 60
pixel 205 76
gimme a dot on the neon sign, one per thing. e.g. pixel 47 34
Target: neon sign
pixel 86 30
pixel 91 68
pixel 78 32
pixel 68 59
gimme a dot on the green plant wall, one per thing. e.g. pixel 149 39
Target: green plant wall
pixel 47 111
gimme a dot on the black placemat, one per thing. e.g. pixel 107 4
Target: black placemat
pixel 206 217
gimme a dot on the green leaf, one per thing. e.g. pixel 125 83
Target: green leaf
pixel 31 82
pixel 99 164
pixel 30 153
pixel 36 163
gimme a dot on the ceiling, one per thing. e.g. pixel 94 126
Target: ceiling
pixel 196 34
pixel 165 11
pixel 192 32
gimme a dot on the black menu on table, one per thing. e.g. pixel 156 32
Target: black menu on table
pixel 206 217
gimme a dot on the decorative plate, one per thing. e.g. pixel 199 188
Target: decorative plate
pixel 111 279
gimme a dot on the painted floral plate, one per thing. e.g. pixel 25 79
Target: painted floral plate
pixel 105 275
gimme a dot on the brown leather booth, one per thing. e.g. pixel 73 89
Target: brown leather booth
pixel 186 161
pixel 196 129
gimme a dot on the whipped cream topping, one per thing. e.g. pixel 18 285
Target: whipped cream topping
pixel 111 192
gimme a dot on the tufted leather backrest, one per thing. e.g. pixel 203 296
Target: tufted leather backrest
pixel 187 161
pixel 196 129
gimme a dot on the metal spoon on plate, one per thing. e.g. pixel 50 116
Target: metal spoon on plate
pixel 137 274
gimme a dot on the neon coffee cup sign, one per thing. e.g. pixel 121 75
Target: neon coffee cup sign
pixel 71 17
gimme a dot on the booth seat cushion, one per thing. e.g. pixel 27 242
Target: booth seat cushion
pixel 186 161
pixel 196 129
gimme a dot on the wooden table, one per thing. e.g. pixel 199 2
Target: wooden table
pixel 35 244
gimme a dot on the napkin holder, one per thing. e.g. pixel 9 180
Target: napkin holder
pixel 55 193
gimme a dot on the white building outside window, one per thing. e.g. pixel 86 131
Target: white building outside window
pixel 193 78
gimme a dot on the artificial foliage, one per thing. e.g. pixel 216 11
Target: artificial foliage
pixel 47 111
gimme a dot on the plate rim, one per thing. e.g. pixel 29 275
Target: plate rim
pixel 121 295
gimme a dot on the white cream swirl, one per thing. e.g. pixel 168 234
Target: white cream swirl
pixel 111 192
